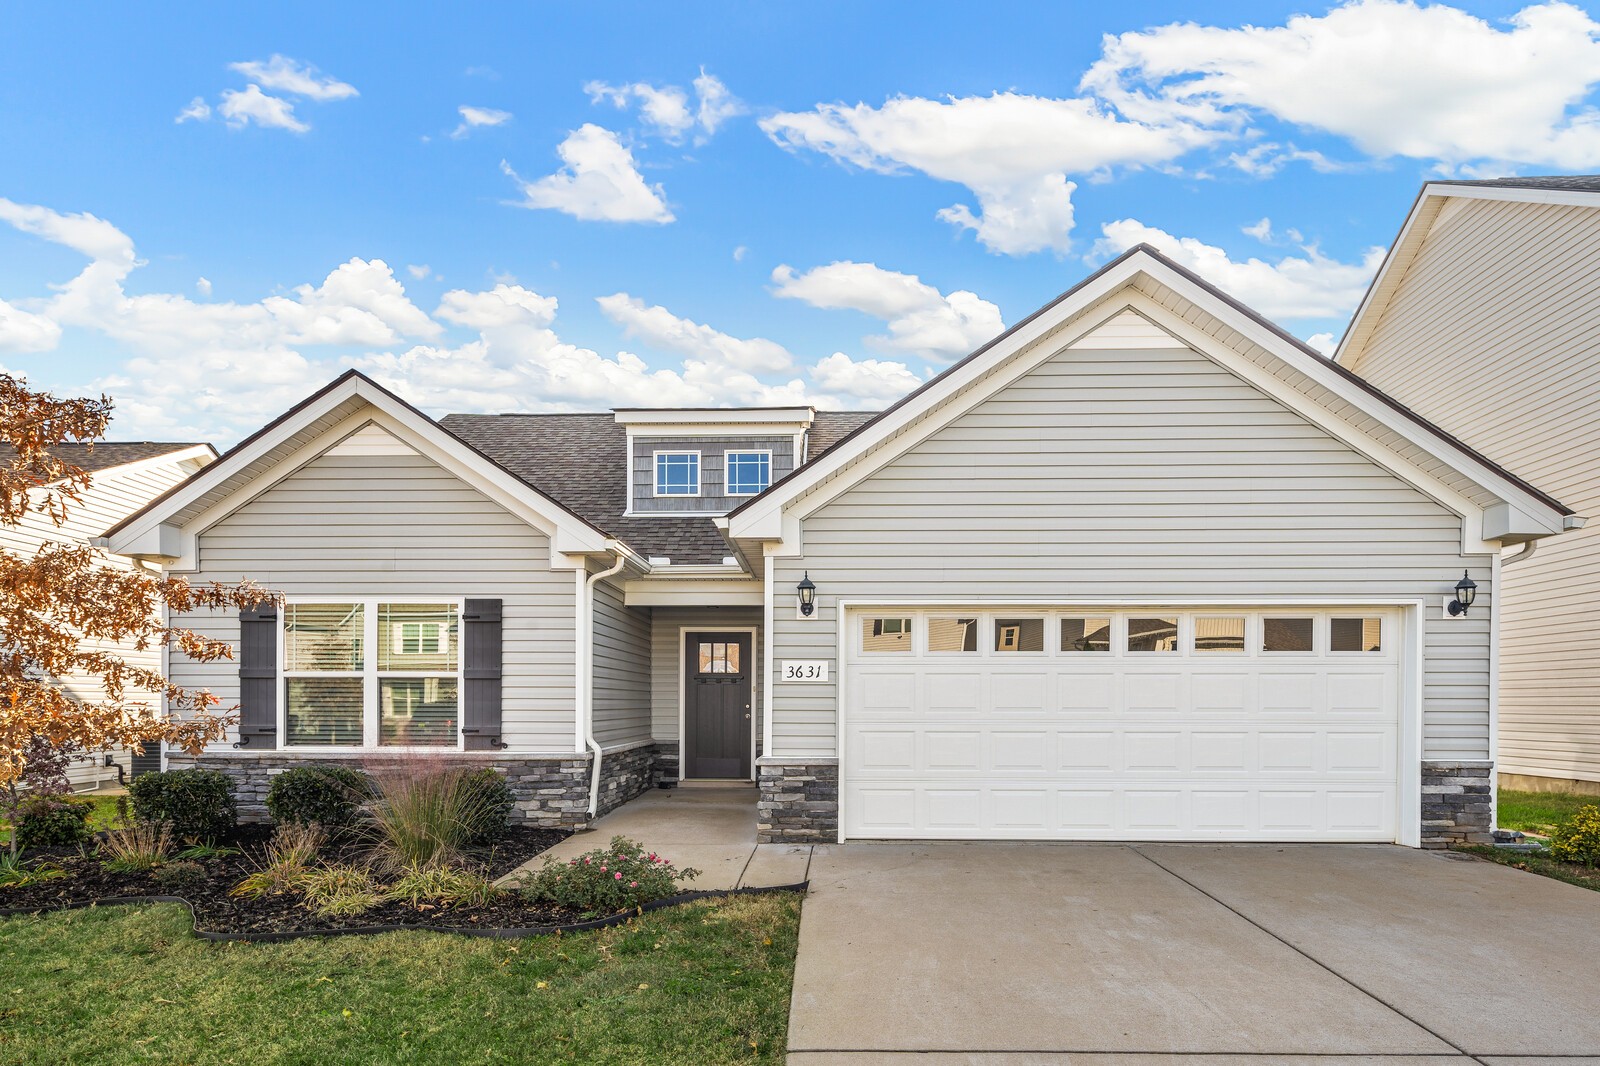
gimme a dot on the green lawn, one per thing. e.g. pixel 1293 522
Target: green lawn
pixel 105 813
pixel 704 983
pixel 1539 812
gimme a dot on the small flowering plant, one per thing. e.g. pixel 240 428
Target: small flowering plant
pixel 620 877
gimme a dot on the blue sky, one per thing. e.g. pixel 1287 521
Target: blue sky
pixel 543 207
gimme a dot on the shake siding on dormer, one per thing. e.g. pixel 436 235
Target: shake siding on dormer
pixel 712 497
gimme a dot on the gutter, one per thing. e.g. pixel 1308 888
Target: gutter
pixel 586 671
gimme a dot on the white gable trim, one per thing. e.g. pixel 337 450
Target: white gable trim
pixel 157 533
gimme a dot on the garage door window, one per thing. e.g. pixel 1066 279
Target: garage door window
pixel 885 635
pixel 1355 634
pixel 953 634
pixel 1287 634
pixel 1152 634
pixel 1086 635
pixel 1018 634
pixel 1219 634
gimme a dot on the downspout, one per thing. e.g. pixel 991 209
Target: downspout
pixel 1511 560
pixel 586 650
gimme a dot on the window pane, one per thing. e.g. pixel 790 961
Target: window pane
pixel 1152 634
pixel 417 636
pixel 322 636
pixel 747 472
pixel 1086 634
pixel 678 474
pixel 886 634
pixel 1356 634
pixel 1219 634
pixel 324 710
pixel 417 711
pixel 952 634
pixel 1286 634
pixel 719 657
pixel 1019 634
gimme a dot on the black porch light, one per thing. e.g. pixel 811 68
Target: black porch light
pixel 1466 592
pixel 808 595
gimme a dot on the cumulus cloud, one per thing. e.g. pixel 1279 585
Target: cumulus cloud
pixel 1310 285
pixel 867 382
pixel 23 331
pixel 661 329
pixel 473 118
pixel 251 106
pixel 203 286
pixel 197 111
pixel 294 77
pixel 1426 82
pixel 1012 151
pixel 599 182
pixel 667 110
pixel 419 271
pixel 240 108
pixel 921 319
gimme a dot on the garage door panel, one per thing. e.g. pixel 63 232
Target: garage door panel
pixel 1020 694
pixel 1162 750
pixel 877 695
pixel 952 750
pixel 1229 695
pixel 954 693
pixel 1014 751
pixel 1084 751
pixel 1152 693
pixel 1088 694
pixel 1215 751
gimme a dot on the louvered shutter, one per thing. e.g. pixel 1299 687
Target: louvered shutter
pixel 480 699
pixel 258 677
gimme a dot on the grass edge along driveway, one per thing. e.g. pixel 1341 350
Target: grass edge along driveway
pixel 708 982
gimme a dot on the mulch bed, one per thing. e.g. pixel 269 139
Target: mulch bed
pixel 215 911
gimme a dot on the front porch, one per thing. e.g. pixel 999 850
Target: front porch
pixel 710 827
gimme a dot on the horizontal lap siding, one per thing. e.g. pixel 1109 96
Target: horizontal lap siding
pixel 1494 333
pixel 621 669
pixel 666 673
pixel 401 526
pixel 1137 474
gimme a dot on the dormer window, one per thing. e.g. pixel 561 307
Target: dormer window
pixel 748 473
pixel 677 473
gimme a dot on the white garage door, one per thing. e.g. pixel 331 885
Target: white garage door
pixel 1121 725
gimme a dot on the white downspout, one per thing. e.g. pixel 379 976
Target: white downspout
pixel 586 697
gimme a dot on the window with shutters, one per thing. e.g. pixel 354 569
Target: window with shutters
pixel 371 673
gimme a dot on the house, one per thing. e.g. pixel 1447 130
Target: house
pixel 1485 319
pixel 1142 567
pixel 125 476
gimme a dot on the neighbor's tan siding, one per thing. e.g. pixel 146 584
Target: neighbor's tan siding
pixel 1137 473
pixel 401 526
pixel 1494 334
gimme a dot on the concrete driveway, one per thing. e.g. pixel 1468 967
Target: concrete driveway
pixel 1266 954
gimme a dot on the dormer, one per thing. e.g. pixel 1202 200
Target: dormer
pixel 708 461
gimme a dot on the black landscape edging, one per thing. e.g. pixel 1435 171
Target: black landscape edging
pixel 371 930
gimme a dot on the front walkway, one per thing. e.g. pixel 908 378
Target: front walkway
pixel 1263 954
pixel 711 828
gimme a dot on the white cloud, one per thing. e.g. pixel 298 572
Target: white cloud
pixel 503 305
pixel 419 271
pixel 1261 231
pixel 871 382
pixel 83 233
pixel 921 319
pixel 203 286
pixel 717 104
pixel 1307 286
pixel 197 111
pixel 23 331
pixel 599 182
pixel 253 105
pixel 478 118
pixel 739 253
pixel 1395 78
pixel 1011 150
pixel 294 77
pixel 1326 343
pixel 661 329
pixel 666 109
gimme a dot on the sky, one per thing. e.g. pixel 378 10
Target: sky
pixel 208 213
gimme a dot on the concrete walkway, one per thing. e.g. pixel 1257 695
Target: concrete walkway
pixel 1107 954
pixel 711 828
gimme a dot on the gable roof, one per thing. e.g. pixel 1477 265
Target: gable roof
pixel 1577 190
pixel 1144 268
pixel 105 455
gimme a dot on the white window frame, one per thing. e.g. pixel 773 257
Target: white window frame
pixel 655 473
pixel 727 462
pixel 370 675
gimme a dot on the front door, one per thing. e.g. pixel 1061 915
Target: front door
pixel 716 709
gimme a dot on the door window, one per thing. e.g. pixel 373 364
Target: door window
pixel 717 657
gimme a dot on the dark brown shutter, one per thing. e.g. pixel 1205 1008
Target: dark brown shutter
pixel 258 676
pixel 480 702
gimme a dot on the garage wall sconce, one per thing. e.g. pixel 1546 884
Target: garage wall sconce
pixel 808 595
pixel 1466 592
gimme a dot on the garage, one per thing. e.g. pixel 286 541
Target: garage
pixel 1137 723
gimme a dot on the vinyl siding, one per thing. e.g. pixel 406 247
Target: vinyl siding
pixel 401 526
pixel 1494 334
pixel 666 674
pixel 1137 473
pixel 622 656
pixel 112 495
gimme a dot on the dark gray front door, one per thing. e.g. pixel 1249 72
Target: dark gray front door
pixel 716 708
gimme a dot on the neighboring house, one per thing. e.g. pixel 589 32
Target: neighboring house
pixel 1485 319
pixel 1143 567
pixel 125 477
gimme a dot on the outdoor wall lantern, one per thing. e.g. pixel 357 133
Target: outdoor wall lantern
pixel 1466 592
pixel 808 595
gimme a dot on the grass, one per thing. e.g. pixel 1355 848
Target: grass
pixel 707 982
pixel 103 816
pixel 1539 812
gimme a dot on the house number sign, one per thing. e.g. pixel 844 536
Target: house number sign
pixel 804 670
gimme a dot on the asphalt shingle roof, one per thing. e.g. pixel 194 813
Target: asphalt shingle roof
pixel 108 453
pixel 1559 182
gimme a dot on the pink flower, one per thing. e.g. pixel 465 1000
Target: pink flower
pixel 586 862
pixel 604 870
pixel 633 884
pixel 619 875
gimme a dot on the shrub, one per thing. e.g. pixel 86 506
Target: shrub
pixel 197 804
pixel 1578 838
pixel 606 880
pixel 180 876
pixel 45 821
pixel 339 891
pixel 490 807
pixel 428 810
pixel 288 854
pixel 140 847
pixel 442 886
pixel 330 796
